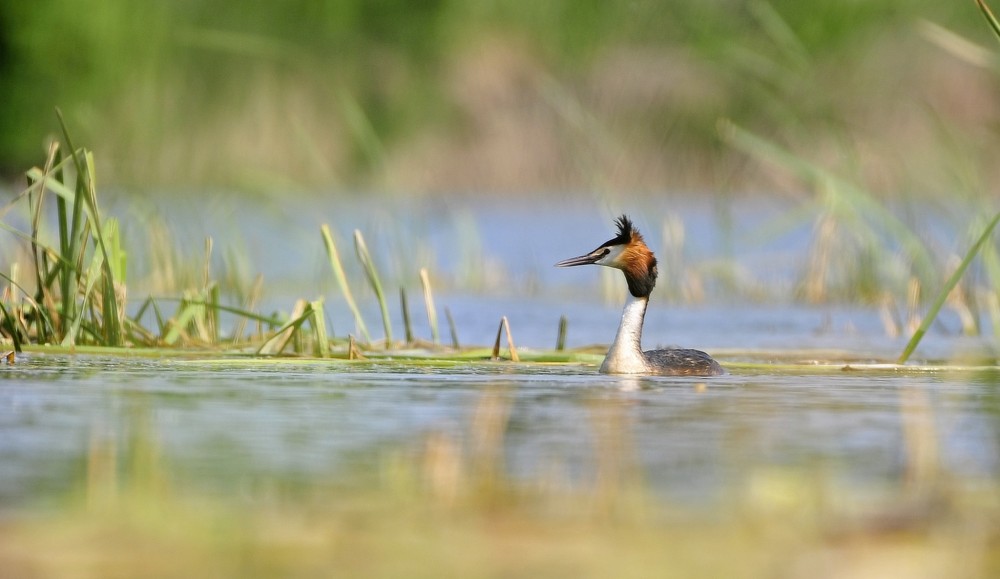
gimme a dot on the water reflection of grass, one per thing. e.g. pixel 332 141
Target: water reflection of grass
pixel 445 507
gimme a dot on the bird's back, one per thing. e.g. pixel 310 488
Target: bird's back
pixel 682 362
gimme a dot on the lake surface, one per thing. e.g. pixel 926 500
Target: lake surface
pixel 230 427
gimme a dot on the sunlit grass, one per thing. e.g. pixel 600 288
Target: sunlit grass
pixel 79 294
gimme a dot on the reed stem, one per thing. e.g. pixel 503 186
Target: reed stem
pixel 338 273
pixel 407 327
pixel 432 317
pixel 451 328
pixel 561 337
pixel 361 248
pixel 943 294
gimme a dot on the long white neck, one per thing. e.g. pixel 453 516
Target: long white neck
pixel 625 355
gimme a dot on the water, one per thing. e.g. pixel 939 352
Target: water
pixel 233 427
pixel 230 427
pixel 495 258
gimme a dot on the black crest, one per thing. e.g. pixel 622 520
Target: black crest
pixel 625 232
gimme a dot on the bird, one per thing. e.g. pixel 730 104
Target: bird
pixel 629 253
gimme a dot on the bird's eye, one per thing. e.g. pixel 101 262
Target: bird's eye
pixel 605 252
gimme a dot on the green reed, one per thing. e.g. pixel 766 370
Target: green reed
pixel 79 294
pixel 373 278
pixel 405 309
pixel 452 329
pixel 848 210
pixel 990 17
pixel 949 285
pixel 338 274
pixel 989 256
pixel 505 325
pixel 432 317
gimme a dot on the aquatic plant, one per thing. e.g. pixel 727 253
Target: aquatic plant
pixel 973 251
pixel 949 286
pixel 432 319
pixel 991 19
pixel 376 284
pixel 345 289
pixel 850 224
pixel 79 293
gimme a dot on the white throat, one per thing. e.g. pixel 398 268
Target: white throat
pixel 625 355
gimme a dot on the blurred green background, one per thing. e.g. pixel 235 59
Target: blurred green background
pixel 520 95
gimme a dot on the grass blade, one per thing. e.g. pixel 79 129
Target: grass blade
pixel 277 343
pixel 248 305
pixel 319 326
pixel 113 291
pixel 8 327
pixel 561 337
pixel 856 200
pixel 943 294
pixel 496 343
pixel 372 274
pixel 432 316
pixel 407 327
pixel 504 324
pixel 186 314
pixel 510 342
pixel 990 17
pixel 353 352
pixel 43 292
pixel 246 313
pixel 96 266
pixel 338 274
pixel 65 266
pixel 451 328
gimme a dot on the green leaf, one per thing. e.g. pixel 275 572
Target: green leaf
pixel 990 17
pixel 943 294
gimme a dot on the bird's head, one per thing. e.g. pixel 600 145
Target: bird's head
pixel 628 252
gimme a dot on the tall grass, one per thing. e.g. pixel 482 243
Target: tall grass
pixel 361 248
pixel 338 273
pixel 973 252
pixel 949 286
pixel 850 221
pixel 78 294
pixel 991 19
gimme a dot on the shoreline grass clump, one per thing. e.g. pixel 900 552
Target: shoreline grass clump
pixel 77 295
pixel 80 295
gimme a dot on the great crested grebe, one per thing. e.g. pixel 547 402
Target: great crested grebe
pixel 629 253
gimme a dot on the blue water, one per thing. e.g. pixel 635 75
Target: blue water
pixel 234 429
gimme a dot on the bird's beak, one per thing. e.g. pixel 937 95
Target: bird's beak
pixel 589 259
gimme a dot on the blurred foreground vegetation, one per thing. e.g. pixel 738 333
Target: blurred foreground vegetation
pixel 445 507
pixel 511 96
